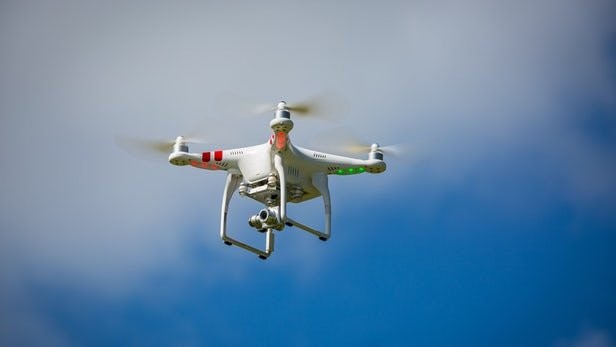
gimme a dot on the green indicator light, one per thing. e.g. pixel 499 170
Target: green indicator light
pixel 350 171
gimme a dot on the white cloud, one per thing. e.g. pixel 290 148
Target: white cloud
pixel 588 338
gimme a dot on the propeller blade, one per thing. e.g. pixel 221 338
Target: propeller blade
pixel 342 140
pixel 139 146
pixel 396 150
pixel 325 106
pixel 303 109
pixel 234 105
pixel 358 148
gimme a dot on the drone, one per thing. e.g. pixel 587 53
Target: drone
pixel 274 174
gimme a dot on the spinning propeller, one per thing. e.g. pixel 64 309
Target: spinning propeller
pixel 342 140
pixel 133 145
pixel 358 147
pixel 324 106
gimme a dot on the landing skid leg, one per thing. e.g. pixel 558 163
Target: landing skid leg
pixel 233 182
pixel 320 235
pixel 319 180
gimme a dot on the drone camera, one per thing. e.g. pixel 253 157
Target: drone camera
pixel 268 216
pixel 264 215
pixel 255 222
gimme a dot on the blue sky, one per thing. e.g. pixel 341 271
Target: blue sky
pixel 497 229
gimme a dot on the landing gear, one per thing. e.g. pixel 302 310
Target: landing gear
pixel 322 238
pixel 262 257
pixel 227 243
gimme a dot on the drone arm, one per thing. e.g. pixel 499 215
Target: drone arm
pixel 212 160
pixel 341 165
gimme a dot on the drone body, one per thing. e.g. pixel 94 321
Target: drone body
pixel 274 174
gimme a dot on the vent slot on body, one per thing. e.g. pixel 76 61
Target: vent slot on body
pixel 319 155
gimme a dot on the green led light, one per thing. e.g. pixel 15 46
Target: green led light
pixel 361 169
pixel 339 172
pixel 351 170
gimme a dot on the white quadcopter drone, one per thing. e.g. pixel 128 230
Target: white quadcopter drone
pixel 274 174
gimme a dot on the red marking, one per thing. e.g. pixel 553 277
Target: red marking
pixel 206 166
pixel 218 155
pixel 207 156
pixel 281 140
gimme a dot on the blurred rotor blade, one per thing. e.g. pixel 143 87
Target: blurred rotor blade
pixel 235 105
pixel 325 106
pixel 340 140
pixel 343 141
pixel 148 147
pixel 337 140
pixel 144 145
pixel 397 150
pixel 354 146
pixel 191 139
